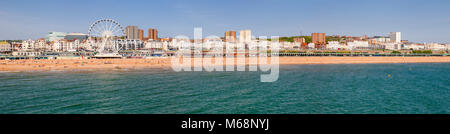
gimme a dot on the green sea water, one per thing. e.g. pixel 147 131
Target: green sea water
pixel 310 89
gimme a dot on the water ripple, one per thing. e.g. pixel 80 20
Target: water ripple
pixel 361 88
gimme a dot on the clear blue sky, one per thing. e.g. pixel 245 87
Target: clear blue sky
pixel 418 20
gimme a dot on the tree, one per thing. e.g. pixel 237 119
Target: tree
pixel 396 52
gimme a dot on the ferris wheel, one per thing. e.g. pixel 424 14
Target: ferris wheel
pixel 106 29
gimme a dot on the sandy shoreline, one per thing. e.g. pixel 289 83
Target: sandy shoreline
pixel 108 64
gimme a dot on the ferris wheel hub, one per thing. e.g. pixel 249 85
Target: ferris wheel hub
pixel 107 34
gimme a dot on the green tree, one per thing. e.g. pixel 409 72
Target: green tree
pixel 396 52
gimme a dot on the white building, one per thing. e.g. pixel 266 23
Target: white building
pixel 287 45
pixel 380 39
pixel 165 45
pixel 5 47
pixel 396 37
pixel 181 43
pixel 153 44
pixel 41 45
pixel 415 46
pixel 60 46
pixel 74 45
pixel 54 36
pixel 245 36
pixel 213 44
pixel 392 46
pixel 28 45
pixel 126 45
pixel 311 45
pixel 335 45
pixel 435 46
pixel 358 45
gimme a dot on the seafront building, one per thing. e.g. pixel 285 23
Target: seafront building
pixel 136 44
pixel 153 34
pixel 54 36
pixel 245 36
pixel 379 40
pixel 358 45
pixel 415 46
pixel 396 37
pixel 392 46
pixel 5 47
pixel 65 45
pixel 300 43
pixel 336 45
pixel 230 36
pixel 288 45
pixel 435 46
pixel 141 34
pixel 299 40
pixel 319 39
pixel 132 32
pixel 76 36
pixel 35 45
pixel 128 44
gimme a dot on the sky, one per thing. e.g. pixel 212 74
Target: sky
pixel 418 20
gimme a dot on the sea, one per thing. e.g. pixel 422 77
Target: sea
pixel 418 88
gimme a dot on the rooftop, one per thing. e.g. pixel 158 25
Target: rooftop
pixel 81 34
